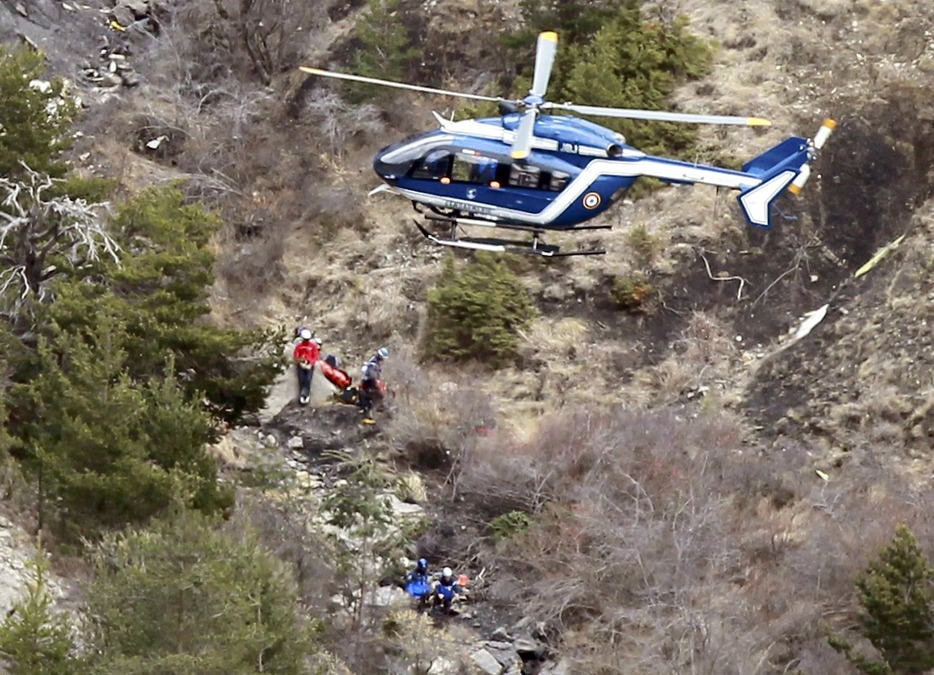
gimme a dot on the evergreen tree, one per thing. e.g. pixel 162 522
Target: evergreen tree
pixel 385 48
pixel 186 597
pixel 633 63
pixel 160 292
pixel 476 313
pixel 34 116
pixel 576 21
pixel 897 597
pixel 34 638
pixel 106 450
pixel 611 55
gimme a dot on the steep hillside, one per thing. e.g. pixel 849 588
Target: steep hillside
pixel 695 487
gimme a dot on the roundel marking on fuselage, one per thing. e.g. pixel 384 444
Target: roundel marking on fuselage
pixel 591 200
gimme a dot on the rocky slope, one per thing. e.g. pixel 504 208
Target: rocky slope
pixel 854 393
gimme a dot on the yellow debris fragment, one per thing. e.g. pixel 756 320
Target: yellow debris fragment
pixel 880 254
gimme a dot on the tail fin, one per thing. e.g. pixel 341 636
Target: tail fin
pixel 755 202
pixel 786 166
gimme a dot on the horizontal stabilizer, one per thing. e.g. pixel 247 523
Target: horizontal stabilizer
pixel 792 151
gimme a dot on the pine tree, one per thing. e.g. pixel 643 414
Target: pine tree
pixel 33 637
pixel 184 596
pixel 160 292
pixel 385 49
pixel 634 63
pixel 897 597
pixel 35 116
pixel 475 313
pixel 107 451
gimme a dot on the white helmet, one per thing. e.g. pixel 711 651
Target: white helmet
pixel 305 334
pixel 446 572
pixel 383 353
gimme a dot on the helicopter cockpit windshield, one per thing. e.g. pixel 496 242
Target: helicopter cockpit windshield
pixel 398 159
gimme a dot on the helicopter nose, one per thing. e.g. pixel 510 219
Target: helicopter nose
pixel 389 171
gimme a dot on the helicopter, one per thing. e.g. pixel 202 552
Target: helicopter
pixel 535 172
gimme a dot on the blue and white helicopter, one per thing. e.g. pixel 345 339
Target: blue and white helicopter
pixel 535 172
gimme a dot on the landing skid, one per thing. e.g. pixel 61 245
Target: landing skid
pixel 533 246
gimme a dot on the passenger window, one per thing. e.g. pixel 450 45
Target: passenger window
pixel 474 168
pixel 559 181
pixel 524 176
pixel 435 165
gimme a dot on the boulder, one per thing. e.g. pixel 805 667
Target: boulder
pixel 504 653
pixel 486 662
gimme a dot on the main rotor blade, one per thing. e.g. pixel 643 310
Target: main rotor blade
pixel 544 60
pixel 658 115
pixel 522 144
pixel 397 85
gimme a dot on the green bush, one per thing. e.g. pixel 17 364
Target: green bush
pixel 107 450
pixel 159 292
pixel 510 524
pixel 34 638
pixel 630 292
pixel 476 312
pixel 384 47
pixel 643 244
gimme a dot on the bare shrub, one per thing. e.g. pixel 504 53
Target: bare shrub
pixel 660 544
pixel 337 121
pixel 572 447
pixel 259 37
pixel 633 534
pixel 703 353
pixel 251 253
pixel 284 531
pixel 436 431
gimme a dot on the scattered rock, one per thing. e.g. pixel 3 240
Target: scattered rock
pixel 411 488
pixel 387 596
pixel 400 509
pixel 130 78
pixel 443 666
pixel 122 15
pixel 562 667
pixel 504 653
pixel 527 645
pixel 295 443
pixel 500 634
pixel 486 662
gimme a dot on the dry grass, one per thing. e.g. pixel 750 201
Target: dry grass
pixel 705 355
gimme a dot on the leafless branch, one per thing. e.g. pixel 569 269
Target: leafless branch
pixel 37 229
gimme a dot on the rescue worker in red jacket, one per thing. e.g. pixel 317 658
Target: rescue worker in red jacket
pixel 306 354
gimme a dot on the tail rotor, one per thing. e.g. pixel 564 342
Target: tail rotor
pixel 815 145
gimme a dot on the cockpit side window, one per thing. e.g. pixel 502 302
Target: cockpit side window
pixel 559 181
pixel 524 175
pixel 435 165
pixel 470 168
